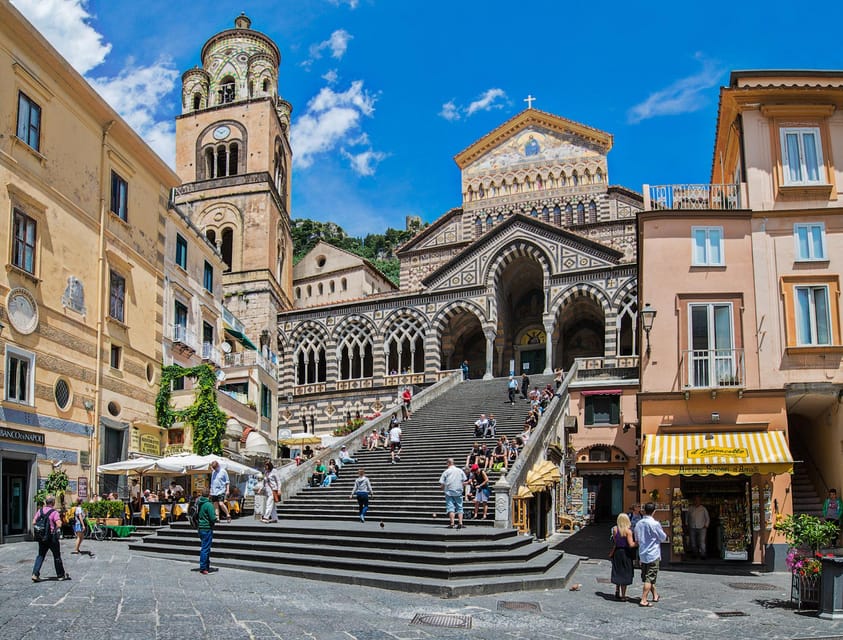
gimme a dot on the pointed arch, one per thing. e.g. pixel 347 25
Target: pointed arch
pixel 403 343
pixel 309 362
pixel 354 337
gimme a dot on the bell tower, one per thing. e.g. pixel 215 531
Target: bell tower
pixel 233 156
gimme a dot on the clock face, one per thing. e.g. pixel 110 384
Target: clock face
pixel 221 133
pixel 22 310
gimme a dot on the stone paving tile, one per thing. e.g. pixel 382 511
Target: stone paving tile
pixel 121 594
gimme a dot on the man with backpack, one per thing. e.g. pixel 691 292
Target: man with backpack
pixel 46 527
pixel 206 517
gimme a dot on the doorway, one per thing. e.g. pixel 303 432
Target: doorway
pixel 15 489
pixel 532 361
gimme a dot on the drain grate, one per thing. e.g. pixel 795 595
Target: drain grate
pixel 604 580
pixel 730 614
pixel 753 586
pixel 442 620
pixel 533 607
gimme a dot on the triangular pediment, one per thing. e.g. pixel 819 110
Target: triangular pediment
pixel 562 251
pixel 447 230
pixel 553 138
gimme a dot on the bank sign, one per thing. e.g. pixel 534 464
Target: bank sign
pixel 29 437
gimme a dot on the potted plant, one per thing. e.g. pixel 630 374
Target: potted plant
pixel 806 535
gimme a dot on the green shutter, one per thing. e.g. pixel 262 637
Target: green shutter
pixel 615 410
pixel 589 411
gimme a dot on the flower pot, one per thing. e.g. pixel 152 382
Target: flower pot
pixel 805 589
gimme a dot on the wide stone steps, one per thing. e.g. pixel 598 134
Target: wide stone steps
pixel 404 543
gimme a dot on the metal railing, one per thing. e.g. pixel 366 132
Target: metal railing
pixel 713 368
pixel 692 196
pixel 180 333
pixel 607 368
pixel 250 358
pixel 210 352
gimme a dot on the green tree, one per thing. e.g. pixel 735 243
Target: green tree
pixel 204 415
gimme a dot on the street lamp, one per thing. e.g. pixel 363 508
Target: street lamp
pixel 648 314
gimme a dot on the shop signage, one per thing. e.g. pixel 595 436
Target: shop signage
pixel 21 436
pixel 719 469
pixel 150 445
pixel 718 452
pixel 82 487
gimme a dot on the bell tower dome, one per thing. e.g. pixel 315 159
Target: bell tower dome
pixel 233 155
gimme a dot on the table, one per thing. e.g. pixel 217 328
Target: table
pixel 121 531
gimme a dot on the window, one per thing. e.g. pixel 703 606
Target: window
pixel 117 297
pixel 810 241
pixel 119 196
pixel 29 121
pixel 20 369
pixel 23 243
pixel 813 320
pixel 266 402
pixel 181 251
pixel 712 359
pixel 226 90
pixel 801 155
pixel 179 322
pixel 116 359
pixel 208 277
pixel 708 246
pixel 602 410
pixel 61 394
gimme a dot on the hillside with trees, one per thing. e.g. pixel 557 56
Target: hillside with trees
pixel 377 248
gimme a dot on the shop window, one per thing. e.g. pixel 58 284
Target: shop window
pixel 810 241
pixel 603 410
pixel 707 246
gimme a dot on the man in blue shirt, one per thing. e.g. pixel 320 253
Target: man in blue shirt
pixel 219 489
pixel 649 535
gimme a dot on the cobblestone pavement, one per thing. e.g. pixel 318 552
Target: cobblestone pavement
pixel 121 594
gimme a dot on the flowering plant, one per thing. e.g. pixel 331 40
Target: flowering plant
pixel 803 565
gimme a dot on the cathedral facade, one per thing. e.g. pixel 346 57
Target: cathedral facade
pixel 535 267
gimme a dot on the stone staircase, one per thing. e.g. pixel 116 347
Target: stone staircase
pixel 404 544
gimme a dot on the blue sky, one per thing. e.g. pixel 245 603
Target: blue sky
pixel 386 92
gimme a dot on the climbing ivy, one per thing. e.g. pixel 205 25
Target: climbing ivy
pixel 204 415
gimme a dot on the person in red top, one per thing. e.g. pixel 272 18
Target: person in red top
pixel 407 397
pixel 51 543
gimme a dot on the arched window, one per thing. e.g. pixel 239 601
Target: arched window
pixel 222 160
pixel 321 289
pixel 309 291
pixel 563 180
pixel 310 358
pixel 197 101
pixel 227 248
pixel 233 158
pixel 226 92
pixel 557 216
pixel 580 213
pixel 298 293
pixel 546 214
pixel 587 177
pixel 331 287
pixel 569 215
pixel 626 323
pixel 355 352
pixel 575 179
pixel 212 236
pixel 599 177
pixel 478 226
pixel 344 284
pixel 266 85
pixel 405 345
pixel 489 221
pixel 592 211
pixel 499 219
pixel 539 183
pixel 251 89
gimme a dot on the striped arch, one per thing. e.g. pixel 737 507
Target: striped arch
pixel 601 298
pixel 512 251
pixel 444 315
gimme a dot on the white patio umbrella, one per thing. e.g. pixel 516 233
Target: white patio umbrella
pixel 191 463
pixel 137 465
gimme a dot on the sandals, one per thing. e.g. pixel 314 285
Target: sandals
pixel 645 604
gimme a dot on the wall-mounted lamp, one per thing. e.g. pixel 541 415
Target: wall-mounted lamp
pixel 715 417
pixel 88 404
pixel 648 314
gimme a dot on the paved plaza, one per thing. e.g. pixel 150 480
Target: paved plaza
pixel 120 593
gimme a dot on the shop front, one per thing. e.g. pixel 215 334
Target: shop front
pixel 740 478
pixel 18 480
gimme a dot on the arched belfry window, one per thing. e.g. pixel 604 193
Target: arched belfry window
pixel 222 160
pixel 310 358
pixel 226 91
pixel 227 248
pixel 266 85
pixel 355 352
pixel 197 101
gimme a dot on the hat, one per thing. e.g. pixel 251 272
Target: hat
pixel 343 447
pixel 475 467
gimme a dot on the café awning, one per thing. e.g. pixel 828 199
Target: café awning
pixel 717 454
pixel 241 337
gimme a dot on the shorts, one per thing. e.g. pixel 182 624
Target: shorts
pixel 77 527
pixel 482 495
pixel 649 571
pixel 218 498
pixel 453 504
pixel 394 446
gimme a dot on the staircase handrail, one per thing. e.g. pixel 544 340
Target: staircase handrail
pixel 295 477
pixel 534 449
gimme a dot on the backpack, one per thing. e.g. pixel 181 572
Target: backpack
pixel 42 530
pixel 193 515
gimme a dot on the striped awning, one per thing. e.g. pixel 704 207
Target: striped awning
pixel 716 454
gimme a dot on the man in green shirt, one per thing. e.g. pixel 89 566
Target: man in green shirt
pixel 207 518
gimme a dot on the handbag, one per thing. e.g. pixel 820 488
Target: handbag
pixel 276 495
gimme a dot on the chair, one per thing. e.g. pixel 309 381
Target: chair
pixel 168 513
pixel 154 515
pixel 137 515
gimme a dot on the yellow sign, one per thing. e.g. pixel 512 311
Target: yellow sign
pixel 718 452
pixel 150 444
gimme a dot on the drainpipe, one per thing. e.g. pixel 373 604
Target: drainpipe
pixel 95 446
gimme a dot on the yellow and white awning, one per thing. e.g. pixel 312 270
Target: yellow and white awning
pixel 716 454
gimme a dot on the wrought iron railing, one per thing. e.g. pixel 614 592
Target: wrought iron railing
pixel 180 333
pixel 692 196
pixel 713 368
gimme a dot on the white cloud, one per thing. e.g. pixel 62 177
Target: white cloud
pixel 65 24
pixel 365 162
pixel 487 101
pixel 135 93
pixel 332 121
pixel 683 96
pixel 352 4
pixel 337 44
pixel 330 76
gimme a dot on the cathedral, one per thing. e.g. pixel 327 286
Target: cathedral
pixel 533 267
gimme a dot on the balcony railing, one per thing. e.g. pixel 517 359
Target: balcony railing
pixel 179 333
pixel 713 369
pixel 607 368
pixel 250 358
pixel 210 353
pixel 692 196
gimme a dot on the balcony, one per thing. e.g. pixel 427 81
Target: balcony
pixel 606 368
pixel 183 339
pixel 693 196
pixel 713 369
pixel 210 353
pixel 249 358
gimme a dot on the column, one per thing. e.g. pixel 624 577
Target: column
pixel 490 353
pixel 548 348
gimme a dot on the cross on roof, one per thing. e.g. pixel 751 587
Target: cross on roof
pixel 529 100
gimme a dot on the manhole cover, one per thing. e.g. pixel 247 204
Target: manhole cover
pixel 753 586
pixel 729 614
pixel 441 620
pixel 519 606
pixel 604 580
